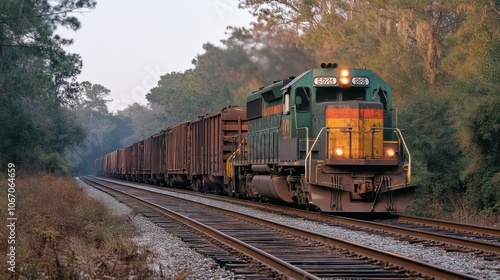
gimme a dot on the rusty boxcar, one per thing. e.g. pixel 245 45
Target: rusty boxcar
pixel 158 167
pixel 98 166
pixel 197 146
pixel 211 145
pixel 106 165
pixel 137 160
pixel 128 162
pixel 146 167
pixel 121 161
pixel 113 163
pixel 177 151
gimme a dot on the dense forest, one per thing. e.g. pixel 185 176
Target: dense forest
pixel 442 58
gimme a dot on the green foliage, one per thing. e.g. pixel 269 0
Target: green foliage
pixel 53 163
pixel 483 173
pixel 215 83
pixel 479 121
pixel 437 162
pixel 104 131
pixel 94 97
pixel 219 72
pixel 484 124
pixel 37 81
pixel 175 92
pixel 144 121
pixel 16 132
pixel 103 135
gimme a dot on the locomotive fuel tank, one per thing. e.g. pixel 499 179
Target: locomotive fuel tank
pixel 270 186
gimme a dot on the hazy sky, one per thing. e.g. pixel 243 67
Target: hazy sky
pixel 127 45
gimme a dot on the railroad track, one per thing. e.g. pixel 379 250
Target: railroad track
pixel 291 252
pixel 485 241
pixel 452 236
pixel 484 231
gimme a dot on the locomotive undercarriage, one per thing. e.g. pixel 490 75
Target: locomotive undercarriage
pixel 264 183
pixel 362 189
pixel 333 189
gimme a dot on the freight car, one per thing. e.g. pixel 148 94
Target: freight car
pixel 192 154
pixel 324 139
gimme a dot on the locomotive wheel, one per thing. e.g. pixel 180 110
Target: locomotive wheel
pixel 307 205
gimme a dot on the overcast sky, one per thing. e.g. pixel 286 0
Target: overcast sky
pixel 127 45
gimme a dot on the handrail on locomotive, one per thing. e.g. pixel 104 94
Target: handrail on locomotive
pixel 397 131
pixel 308 158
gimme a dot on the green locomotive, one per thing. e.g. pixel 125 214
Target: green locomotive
pixel 325 139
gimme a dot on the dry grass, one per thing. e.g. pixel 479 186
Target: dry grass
pixel 62 233
pixel 463 214
pixel 454 207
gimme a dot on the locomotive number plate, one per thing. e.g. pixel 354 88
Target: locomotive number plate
pixel 325 81
pixel 360 81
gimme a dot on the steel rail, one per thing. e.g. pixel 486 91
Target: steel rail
pixel 451 225
pixel 278 265
pixel 452 240
pixel 436 237
pixel 395 259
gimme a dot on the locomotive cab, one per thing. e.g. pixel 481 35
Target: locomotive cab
pixel 325 139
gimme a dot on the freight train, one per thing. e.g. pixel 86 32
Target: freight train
pixel 326 139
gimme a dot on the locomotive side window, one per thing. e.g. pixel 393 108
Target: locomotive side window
pixel 302 99
pixel 382 95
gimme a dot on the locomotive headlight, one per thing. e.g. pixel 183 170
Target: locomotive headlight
pixel 344 79
pixel 339 152
pixel 390 152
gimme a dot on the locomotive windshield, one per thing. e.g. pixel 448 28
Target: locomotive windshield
pixel 302 99
pixel 328 94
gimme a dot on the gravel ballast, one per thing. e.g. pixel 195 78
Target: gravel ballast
pixel 467 263
pixel 172 258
